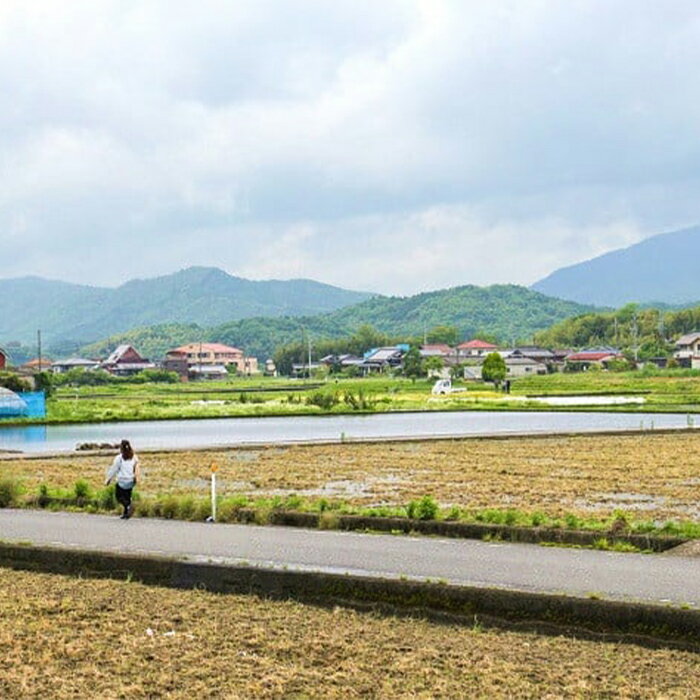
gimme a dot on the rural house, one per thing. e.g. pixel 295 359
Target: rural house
pixel 3 359
pixel 378 359
pixel 441 350
pixel 601 357
pixel 125 361
pixel 61 366
pixel 518 366
pixel 206 354
pixel 37 365
pixel 688 351
pixel 473 349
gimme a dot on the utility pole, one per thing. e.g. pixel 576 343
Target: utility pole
pixel 38 347
pixel 308 340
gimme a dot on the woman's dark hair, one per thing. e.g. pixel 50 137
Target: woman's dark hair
pixel 126 450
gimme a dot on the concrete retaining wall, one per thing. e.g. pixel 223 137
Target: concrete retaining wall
pixel 646 622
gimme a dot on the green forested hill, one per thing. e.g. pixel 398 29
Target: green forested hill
pixel 503 312
pixel 203 295
pixel 651 330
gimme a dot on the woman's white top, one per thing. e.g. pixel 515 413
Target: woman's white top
pixel 124 470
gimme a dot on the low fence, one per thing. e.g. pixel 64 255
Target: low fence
pixel 28 404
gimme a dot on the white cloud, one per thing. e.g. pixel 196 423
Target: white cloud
pixel 391 134
pixel 441 246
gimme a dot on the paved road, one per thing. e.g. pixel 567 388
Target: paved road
pixel 651 578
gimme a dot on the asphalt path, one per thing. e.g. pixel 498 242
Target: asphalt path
pixel 578 572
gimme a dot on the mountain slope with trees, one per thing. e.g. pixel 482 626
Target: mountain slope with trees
pixel 649 331
pixel 204 295
pixel 662 268
pixel 506 313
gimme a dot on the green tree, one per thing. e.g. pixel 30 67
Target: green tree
pixel 13 382
pixel 433 364
pixel 444 334
pixel 412 364
pixel 43 381
pixel 493 369
pixel 457 371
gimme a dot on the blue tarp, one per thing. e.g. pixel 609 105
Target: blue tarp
pixel 29 404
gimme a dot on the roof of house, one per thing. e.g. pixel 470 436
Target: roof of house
pixel 590 356
pixel 383 354
pixel 75 362
pixel 476 344
pixel 688 339
pixel 119 353
pixel 137 366
pixel 436 349
pixel 208 347
pixel 522 361
pixel 533 351
pixel 36 362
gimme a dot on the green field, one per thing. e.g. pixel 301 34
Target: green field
pixel 258 397
pixel 662 391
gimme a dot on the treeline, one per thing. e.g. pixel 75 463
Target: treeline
pixel 365 338
pixel 651 332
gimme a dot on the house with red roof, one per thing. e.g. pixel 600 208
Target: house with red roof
pixel 37 365
pixel 202 355
pixel 601 357
pixel 474 349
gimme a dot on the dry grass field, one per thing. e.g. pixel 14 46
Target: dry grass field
pixel 648 476
pixel 63 637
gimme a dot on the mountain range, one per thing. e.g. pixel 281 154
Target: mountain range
pixel 209 304
pixel 662 268
pixel 205 295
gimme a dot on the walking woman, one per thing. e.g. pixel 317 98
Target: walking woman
pixel 125 469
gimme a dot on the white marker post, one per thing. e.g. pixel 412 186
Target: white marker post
pixel 212 517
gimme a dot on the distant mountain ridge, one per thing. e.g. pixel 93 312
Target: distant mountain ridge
pixel 509 312
pixel 662 268
pixel 205 295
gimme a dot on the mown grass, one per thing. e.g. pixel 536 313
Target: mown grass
pixel 63 638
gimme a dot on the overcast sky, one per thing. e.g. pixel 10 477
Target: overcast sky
pixel 392 146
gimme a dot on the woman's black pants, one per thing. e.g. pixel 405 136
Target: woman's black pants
pixel 123 497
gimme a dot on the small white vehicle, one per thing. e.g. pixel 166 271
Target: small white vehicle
pixel 444 386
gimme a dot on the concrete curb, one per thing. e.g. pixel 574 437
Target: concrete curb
pixel 461 530
pixel 639 622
